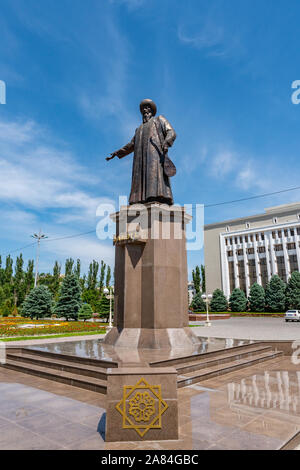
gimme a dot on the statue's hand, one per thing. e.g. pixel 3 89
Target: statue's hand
pixel 165 147
pixel 113 155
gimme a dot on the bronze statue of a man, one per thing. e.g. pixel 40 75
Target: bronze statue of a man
pixel 152 167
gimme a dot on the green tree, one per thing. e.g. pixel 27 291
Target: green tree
pixel 257 298
pixel 293 291
pixel 29 277
pixel 69 266
pixel 93 275
pixel 8 274
pixel 108 277
pixel 203 283
pixel 18 282
pixel 69 301
pixel 218 302
pixel 102 276
pixel 238 301
pixel 55 279
pixel 103 306
pixel 275 295
pixel 196 279
pixel 85 312
pixel 7 308
pixel 38 303
pixel 2 273
pixel 198 304
pixel 77 268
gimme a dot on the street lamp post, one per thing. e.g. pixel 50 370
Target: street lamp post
pixel 206 298
pixel 38 236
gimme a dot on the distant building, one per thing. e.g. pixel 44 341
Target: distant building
pixel 251 249
pixel 191 291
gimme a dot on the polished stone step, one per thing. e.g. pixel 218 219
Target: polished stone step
pixel 206 355
pixel 105 363
pixel 189 378
pixel 89 383
pixel 221 359
pixel 59 364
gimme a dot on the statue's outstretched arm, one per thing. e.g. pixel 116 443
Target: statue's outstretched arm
pixel 122 152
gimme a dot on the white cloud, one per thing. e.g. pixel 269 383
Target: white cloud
pixel 37 175
pixel 222 164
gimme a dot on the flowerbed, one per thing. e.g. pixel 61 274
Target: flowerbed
pixel 22 327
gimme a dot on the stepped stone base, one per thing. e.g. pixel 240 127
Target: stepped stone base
pixel 151 338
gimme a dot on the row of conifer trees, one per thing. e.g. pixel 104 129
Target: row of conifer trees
pixel 276 297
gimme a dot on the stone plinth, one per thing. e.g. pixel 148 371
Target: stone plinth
pixel 142 404
pixel 151 300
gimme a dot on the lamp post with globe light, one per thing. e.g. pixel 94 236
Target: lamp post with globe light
pixel 206 298
pixel 109 290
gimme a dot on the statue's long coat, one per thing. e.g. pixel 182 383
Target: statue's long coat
pixel 149 182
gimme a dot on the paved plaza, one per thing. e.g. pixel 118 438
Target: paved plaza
pixel 257 328
pixel 253 408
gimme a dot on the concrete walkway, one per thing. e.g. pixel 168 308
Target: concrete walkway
pixel 258 328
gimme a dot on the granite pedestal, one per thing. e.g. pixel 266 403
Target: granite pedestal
pixel 151 300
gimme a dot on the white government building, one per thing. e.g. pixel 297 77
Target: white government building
pixel 251 249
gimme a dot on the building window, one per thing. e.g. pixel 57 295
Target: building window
pixel 298 230
pixel 229 253
pixel 247 225
pixel 261 249
pixel 285 232
pixel 291 246
pixel 251 238
pixel 250 251
pixel 240 252
pixel 298 216
pixel 293 263
pixel 278 247
pixel 227 228
pixel 273 235
pixel 275 220
pixel 292 232
pixel 262 236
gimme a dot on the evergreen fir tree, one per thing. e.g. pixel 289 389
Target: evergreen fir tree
pixel 275 295
pixel 198 304
pixel 38 303
pixel 256 298
pixel 69 301
pixel 293 291
pixel 103 306
pixel 238 301
pixel 218 302
pixel 85 312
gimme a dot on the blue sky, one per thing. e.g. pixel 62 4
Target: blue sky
pixel 220 71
